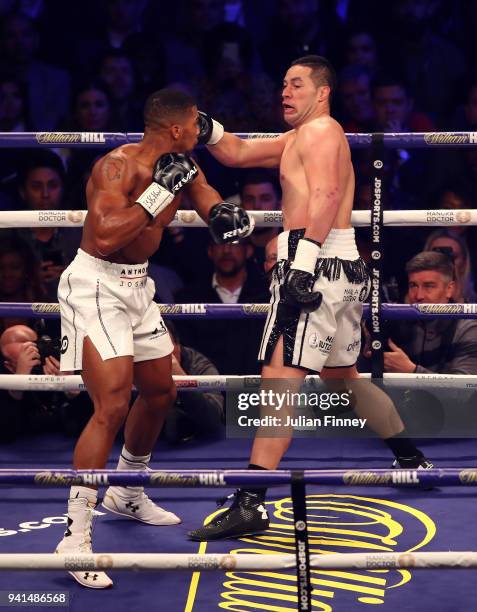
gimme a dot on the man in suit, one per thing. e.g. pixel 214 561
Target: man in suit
pixel 231 345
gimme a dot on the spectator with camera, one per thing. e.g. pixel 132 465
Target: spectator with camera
pixel 24 351
pixel 445 346
pixel 194 414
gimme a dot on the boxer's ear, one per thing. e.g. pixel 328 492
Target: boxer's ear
pixel 324 92
pixel 176 131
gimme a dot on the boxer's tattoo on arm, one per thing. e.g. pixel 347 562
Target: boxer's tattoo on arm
pixel 113 167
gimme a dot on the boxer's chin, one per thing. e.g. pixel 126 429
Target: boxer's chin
pixel 290 120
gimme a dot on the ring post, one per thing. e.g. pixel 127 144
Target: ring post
pixel 302 550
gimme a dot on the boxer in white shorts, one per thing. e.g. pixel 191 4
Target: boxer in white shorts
pixel 111 329
pixel 319 284
pixel 121 319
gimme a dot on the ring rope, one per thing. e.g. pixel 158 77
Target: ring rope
pixel 53 477
pixel 230 562
pixel 409 312
pixel 74 382
pixel 274 218
pixel 106 140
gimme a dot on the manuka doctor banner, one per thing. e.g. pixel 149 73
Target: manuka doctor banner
pixel 351 408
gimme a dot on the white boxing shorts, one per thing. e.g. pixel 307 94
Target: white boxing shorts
pixel 113 305
pixel 329 336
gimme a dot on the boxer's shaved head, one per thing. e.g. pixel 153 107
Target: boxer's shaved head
pixel 166 107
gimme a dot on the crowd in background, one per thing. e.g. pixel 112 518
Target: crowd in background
pixel 403 66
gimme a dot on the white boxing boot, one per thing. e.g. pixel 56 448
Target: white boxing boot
pixel 77 539
pixel 132 501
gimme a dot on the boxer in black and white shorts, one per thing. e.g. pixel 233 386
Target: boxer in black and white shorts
pixel 319 284
pixel 330 335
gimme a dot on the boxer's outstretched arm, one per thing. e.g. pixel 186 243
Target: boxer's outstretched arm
pixel 227 222
pixel 318 147
pixel 262 152
pixel 203 195
pixel 114 219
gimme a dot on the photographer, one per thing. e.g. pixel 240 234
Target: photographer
pixel 24 352
pixel 21 347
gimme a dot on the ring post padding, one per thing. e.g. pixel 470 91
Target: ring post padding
pixel 302 549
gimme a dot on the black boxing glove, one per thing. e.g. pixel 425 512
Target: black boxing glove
pixel 210 130
pixel 299 281
pixel 171 172
pixel 229 222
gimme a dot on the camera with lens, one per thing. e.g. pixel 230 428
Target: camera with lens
pixel 48 347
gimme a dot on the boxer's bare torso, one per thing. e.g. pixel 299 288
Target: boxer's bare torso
pixel 295 189
pixel 115 183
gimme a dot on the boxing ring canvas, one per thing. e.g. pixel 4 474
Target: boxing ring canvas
pixel 351 519
pixel 344 520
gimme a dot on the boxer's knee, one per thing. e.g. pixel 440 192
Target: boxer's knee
pixel 111 411
pixel 160 394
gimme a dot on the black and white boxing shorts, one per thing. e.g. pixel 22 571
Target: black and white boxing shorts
pixel 330 335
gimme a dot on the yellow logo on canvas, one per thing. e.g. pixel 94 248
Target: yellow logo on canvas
pixel 336 523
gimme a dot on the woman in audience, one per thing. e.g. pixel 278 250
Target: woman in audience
pixel 456 247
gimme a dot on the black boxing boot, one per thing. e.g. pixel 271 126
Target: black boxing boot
pixel 418 462
pixel 408 456
pixel 247 515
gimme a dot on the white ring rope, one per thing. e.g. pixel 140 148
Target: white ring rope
pixel 28 382
pixel 224 562
pixel 189 218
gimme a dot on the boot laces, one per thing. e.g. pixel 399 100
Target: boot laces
pixel 221 500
